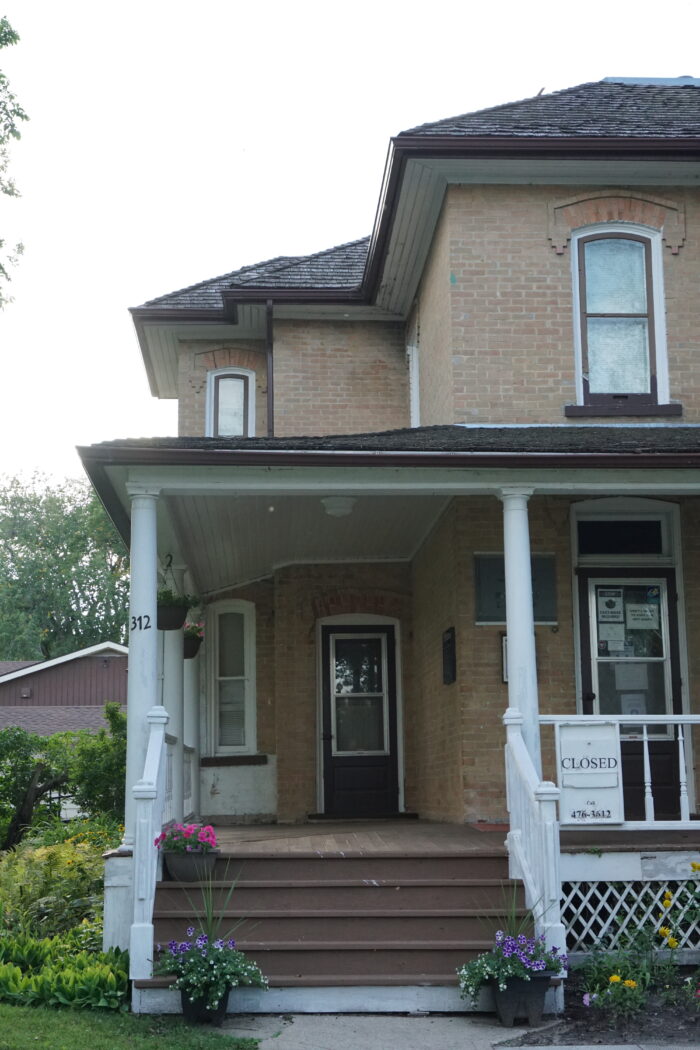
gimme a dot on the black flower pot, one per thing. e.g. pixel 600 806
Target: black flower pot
pixel 521 998
pixel 195 1011
pixel 171 617
pixel 190 867
pixel 191 646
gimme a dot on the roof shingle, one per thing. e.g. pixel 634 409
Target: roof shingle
pixel 603 108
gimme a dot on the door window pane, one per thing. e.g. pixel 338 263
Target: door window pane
pixel 358 665
pixel 359 723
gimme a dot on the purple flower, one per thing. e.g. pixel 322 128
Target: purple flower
pixel 219 943
pixel 231 943
pixel 202 940
pixel 172 945
pixel 190 931
pixel 589 998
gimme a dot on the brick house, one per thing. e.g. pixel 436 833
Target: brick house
pixel 427 482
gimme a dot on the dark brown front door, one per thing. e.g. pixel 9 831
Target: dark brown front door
pixel 360 771
pixel 630 665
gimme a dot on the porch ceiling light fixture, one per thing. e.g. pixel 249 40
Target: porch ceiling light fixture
pixel 338 506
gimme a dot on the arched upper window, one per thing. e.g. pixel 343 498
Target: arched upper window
pixel 619 322
pixel 230 409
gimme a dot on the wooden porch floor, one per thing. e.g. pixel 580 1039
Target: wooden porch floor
pixel 396 837
pixel 417 837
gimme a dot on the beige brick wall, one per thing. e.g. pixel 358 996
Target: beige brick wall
pixel 508 349
pixel 303 595
pixel 335 378
pixel 197 359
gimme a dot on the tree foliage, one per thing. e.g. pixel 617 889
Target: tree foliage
pixel 11 114
pixel 31 767
pixel 64 580
pixel 98 768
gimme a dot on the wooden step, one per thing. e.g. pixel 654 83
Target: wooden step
pixel 332 919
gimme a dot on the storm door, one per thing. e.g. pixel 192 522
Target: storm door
pixel 630 665
pixel 360 771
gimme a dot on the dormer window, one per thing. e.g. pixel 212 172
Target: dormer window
pixel 619 323
pixel 230 403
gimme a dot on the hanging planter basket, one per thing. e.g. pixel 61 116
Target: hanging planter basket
pixel 171 617
pixel 191 644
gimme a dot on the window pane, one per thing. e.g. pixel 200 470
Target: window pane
pixel 358 665
pixel 619 537
pixel 231 647
pixel 618 355
pixel 645 693
pixel 232 714
pixel 230 420
pixel 359 723
pixel 615 277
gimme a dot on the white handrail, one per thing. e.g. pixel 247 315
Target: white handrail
pixel 533 839
pixel 645 725
pixel 148 796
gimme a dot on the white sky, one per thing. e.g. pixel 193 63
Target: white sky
pixel 171 141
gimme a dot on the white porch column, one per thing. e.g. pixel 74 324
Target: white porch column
pixel 191 725
pixel 142 687
pixel 173 702
pixel 520 620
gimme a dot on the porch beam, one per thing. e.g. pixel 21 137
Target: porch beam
pixel 142 688
pixel 520 620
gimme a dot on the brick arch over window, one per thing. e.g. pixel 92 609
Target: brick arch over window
pixel 616 206
pixel 198 359
pixel 363 600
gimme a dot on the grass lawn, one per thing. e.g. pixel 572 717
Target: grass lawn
pixel 23 1027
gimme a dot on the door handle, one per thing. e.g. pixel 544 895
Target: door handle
pixel 588 699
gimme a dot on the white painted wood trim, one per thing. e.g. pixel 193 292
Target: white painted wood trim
pixel 213 611
pixel 212 376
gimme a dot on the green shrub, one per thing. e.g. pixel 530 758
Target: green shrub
pixel 55 972
pixel 46 890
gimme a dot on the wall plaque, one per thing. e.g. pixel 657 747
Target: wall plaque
pixel 589 773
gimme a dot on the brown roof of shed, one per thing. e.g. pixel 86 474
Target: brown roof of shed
pixel 49 720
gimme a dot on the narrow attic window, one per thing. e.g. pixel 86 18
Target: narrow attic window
pixel 619 328
pixel 230 409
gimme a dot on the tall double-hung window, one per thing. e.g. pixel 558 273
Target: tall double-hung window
pixel 230 403
pixel 231 632
pixel 619 322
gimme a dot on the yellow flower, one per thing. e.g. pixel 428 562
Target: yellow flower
pixel 615 979
pixel 630 984
pixel 664 931
pixel 665 904
pixel 694 865
pixel 668 895
pixel 672 942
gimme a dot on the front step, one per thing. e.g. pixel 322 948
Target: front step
pixel 323 920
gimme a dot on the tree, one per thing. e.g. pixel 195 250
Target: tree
pixel 98 767
pixel 31 767
pixel 64 577
pixel 11 113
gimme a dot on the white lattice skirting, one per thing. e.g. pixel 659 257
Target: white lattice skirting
pixel 607 914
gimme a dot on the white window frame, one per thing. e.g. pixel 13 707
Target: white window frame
pixel 413 359
pixel 654 238
pixel 214 611
pixel 212 376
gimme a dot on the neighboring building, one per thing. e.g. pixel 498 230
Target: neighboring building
pixel 496 393
pixel 66 693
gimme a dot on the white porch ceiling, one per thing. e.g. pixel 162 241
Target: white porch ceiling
pixel 226 540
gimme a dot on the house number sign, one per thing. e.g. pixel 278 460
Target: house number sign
pixel 589 773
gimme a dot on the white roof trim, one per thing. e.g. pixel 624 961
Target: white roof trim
pixel 42 665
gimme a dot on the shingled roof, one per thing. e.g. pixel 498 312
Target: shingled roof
pixel 526 440
pixel 606 108
pixel 341 268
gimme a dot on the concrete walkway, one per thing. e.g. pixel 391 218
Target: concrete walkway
pixel 387 1032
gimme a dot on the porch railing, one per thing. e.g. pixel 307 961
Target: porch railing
pixel 647 729
pixel 533 839
pixel 149 805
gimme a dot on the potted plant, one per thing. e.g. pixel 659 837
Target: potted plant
pixel 189 851
pixel 193 635
pixel 172 608
pixel 206 969
pixel 519 969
